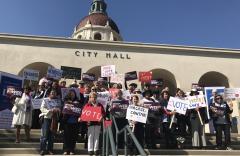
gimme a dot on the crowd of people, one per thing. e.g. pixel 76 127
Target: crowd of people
pixel 49 117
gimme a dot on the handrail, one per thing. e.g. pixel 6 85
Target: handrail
pixel 108 136
pixel 125 130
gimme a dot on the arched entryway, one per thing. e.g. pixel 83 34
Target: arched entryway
pixel 167 77
pixel 213 78
pixel 42 67
pixel 96 71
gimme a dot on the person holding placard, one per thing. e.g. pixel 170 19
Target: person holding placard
pixel 151 125
pixel 137 127
pixel 94 127
pixel 71 112
pixel 198 117
pixel 50 110
pixel 118 109
pixel 168 116
pixel 23 114
pixel 221 111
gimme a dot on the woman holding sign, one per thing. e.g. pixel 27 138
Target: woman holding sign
pixel 93 120
pixel 50 111
pixel 23 114
pixel 71 112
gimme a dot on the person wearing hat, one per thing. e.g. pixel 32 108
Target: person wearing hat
pixel 23 114
pixel 151 124
pixel 221 111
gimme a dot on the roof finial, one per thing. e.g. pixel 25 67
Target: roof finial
pixel 98 6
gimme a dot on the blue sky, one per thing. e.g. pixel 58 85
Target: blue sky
pixel 207 23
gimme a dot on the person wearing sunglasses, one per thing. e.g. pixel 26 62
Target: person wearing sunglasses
pixel 221 111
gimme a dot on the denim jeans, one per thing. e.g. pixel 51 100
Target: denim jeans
pixel 46 140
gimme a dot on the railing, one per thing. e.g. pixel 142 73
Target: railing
pixel 126 130
pixel 108 136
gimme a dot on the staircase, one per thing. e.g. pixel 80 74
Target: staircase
pixel 9 147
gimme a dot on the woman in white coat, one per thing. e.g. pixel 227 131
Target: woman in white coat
pixel 22 110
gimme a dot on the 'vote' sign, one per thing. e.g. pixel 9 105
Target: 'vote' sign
pixel 91 114
pixel 178 105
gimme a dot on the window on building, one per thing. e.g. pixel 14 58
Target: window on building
pixel 80 37
pixel 97 36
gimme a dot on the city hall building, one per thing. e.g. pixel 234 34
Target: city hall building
pixel 96 41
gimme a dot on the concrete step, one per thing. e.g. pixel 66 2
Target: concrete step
pixel 121 152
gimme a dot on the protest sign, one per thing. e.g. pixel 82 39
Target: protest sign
pixel 137 113
pixel 117 78
pixel 71 72
pixel 119 108
pixel 52 103
pixel 88 77
pixel 145 76
pixel 232 93
pixel 91 114
pixel 54 73
pixel 131 76
pixel 36 103
pixel 65 91
pixel 107 71
pixel 153 108
pixel 103 98
pixel 29 74
pixel 126 95
pixel 6 117
pixel 71 109
pixel 196 101
pixel 178 105
pixel 157 82
pixel 209 97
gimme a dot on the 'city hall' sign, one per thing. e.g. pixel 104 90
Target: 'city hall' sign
pixel 108 55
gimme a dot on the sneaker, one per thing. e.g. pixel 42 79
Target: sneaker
pixel 65 153
pixel 217 148
pixel 229 148
pixel 72 153
pixel 42 153
pixel 50 153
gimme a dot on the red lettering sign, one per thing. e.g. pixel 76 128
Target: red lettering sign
pixel 145 76
pixel 91 114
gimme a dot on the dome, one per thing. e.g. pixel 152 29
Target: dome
pixel 100 19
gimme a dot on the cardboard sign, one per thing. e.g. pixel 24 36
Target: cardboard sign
pixel 117 78
pixel 145 76
pixel 91 114
pixel 65 91
pixel 131 76
pixel 232 93
pixel 29 74
pixel 119 108
pixel 107 71
pixel 152 106
pixel 103 98
pixel 36 103
pixel 196 101
pixel 54 73
pixel 88 77
pixel 71 109
pixel 71 72
pixel 137 113
pixel 178 105
pixel 52 103
pixel 6 117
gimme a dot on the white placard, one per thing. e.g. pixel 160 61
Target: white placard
pixel 126 95
pixel 137 113
pixel 118 78
pixel 107 71
pixel 36 103
pixel 232 93
pixel 196 101
pixel 54 73
pixel 178 105
pixel 103 98
pixel 52 103
pixel 29 74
